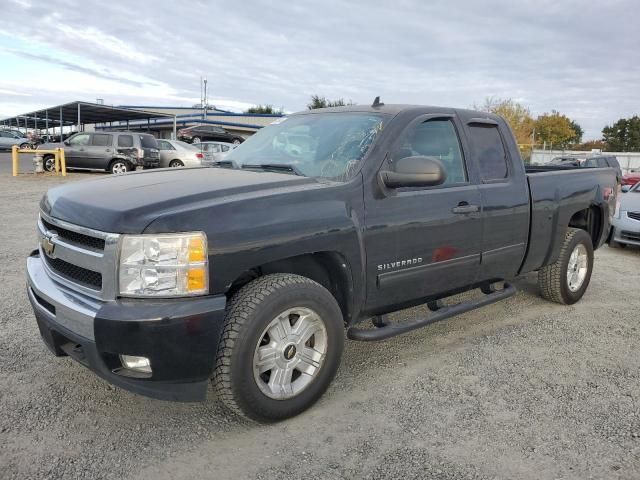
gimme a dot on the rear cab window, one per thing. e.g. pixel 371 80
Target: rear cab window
pixel 490 152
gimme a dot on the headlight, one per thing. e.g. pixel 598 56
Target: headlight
pixel 164 265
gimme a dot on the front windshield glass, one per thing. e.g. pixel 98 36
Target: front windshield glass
pixel 327 145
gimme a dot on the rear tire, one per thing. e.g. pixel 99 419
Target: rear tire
pixel 258 374
pixel 195 140
pixel 566 280
pixel 118 167
pixel 176 164
pixel 49 163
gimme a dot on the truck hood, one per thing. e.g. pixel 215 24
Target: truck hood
pixel 128 203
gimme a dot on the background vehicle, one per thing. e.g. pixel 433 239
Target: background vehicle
pixel 625 226
pixel 631 178
pixel 588 161
pixel 203 133
pixel 9 138
pixel 174 153
pixel 250 274
pixel 117 152
pixel 214 151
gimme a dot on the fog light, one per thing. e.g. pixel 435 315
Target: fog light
pixel 137 364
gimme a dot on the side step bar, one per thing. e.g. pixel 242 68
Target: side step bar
pixel 388 330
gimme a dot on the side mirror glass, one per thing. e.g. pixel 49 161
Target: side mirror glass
pixel 418 171
pixel 625 188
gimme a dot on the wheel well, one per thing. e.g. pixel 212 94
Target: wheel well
pixel 589 220
pixel 329 269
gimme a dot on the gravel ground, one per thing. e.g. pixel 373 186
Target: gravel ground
pixel 520 389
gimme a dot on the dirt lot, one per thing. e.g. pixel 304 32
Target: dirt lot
pixel 520 389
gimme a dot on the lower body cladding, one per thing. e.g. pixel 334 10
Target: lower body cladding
pixel 179 337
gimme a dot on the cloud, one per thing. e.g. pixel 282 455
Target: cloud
pixel 570 56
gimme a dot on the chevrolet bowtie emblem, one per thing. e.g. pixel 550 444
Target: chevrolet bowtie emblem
pixel 48 243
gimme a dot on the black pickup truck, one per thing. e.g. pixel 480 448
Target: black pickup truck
pixel 249 274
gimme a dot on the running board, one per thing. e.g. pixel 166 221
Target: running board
pixel 387 330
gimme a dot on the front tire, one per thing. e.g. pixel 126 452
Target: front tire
pixel 49 163
pixel 195 140
pixel 280 347
pixel 566 280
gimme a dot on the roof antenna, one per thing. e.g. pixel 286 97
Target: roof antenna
pixel 377 102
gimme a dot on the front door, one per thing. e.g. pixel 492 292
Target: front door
pixel 99 151
pixel 75 152
pixel 424 241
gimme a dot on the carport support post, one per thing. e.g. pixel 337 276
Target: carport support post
pixel 61 139
pixel 175 134
pixel 78 117
pixel 46 123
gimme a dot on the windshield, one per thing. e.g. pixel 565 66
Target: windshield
pixel 327 145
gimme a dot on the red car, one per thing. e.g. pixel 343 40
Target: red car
pixel 631 178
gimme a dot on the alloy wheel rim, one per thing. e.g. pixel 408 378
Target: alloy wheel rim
pixel 290 353
pixel 119 168
pixel 577 268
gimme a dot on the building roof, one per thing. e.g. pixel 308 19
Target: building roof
pixel 89 113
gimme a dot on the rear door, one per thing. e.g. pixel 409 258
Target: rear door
pixel 99 151
pixel 424 241
pixel 505 198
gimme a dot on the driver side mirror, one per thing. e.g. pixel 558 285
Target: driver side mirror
pixel 418 171
pixel 66 142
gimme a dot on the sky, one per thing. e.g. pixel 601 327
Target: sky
pixel 578 57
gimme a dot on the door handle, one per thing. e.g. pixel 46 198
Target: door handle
pixel 108 150
pixel 464 207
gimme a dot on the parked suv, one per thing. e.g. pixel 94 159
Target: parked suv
pixel 9 138
pixel 201 133
pixel 117 152
pixel 589 161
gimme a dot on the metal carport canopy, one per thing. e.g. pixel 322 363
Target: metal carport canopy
pixel 83 113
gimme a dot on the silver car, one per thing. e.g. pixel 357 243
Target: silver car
pixel 625 227
pixel 174 153
pixel 214 151
pixel 9 138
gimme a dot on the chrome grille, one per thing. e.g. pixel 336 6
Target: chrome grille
pixel 634 215
pixel 80 258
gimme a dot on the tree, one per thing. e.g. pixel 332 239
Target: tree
pixel 517 116
pixel 590 145
pixel 264 109
pixel 321 102
pixel 623 136
pixel 557 130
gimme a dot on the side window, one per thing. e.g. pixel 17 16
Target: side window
pixel 101 140
pixel 590 163
pixel 80 139
pixel 125 141
pixel 436 138
pixel 602 162
pixel 490 153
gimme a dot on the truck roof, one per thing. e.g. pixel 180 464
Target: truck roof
pixel 394 109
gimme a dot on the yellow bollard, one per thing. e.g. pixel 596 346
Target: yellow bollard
pixel 63 162
pixel 56 160
pixel 14 158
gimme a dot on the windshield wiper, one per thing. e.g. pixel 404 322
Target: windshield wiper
pixel 225 164
pixel 275 167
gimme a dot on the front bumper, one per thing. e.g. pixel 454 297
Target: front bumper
pixel 179 336
pixel 626 230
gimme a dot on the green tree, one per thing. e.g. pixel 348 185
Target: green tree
pixel 321 102
pixel 623 136
pixel 517 116
pixel 557 130
pixel 265 109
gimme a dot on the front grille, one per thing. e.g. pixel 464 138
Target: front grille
pixel 630 235
pixel 634 215
pixel 71 272
pixel 75 237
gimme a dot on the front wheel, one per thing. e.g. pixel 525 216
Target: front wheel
pixel 195 140
pixel 566 280
pixel 49 163
pixel 237 141
pixel 280 348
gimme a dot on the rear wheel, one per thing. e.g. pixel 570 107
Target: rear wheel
pixel 176 164
pixel 236 141
pixel 566 280
pixel 195 140
pixel 118 167
pixel 25 146
pixel 280 348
